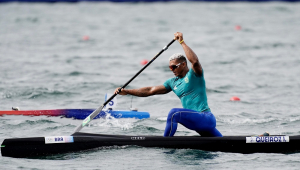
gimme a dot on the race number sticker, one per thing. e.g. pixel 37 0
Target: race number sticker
pixel 267 139
pixel 59 139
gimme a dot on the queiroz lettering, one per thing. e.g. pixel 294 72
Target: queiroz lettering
pixel 267 139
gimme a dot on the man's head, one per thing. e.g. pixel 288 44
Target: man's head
pixel 178 64
pixel 178 57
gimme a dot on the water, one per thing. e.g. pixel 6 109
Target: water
pixel 46 64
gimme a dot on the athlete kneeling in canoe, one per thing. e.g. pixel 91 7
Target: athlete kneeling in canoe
pixel 189 86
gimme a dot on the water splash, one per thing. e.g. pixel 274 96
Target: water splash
pixel 110 121
pixel 162 118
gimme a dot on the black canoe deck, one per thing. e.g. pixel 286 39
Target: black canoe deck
pixel 34 147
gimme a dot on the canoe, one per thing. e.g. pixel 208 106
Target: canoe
pixel 119 1
pixel 52 145
pixel 78 113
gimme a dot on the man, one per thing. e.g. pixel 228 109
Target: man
pixel 189 86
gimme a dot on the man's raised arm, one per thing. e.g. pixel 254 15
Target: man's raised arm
pixel 191 56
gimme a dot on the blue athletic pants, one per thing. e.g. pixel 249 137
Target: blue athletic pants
pixel 202 122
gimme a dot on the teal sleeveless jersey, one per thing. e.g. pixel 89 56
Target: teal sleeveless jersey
pixel 191 90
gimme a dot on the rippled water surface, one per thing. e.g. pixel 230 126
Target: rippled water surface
pixel 45 63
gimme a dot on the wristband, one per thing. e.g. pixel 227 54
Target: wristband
pixel 181 41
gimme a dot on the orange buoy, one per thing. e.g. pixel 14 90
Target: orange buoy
pixel 238 27
pixel 85 38
pixel 235 98
pixel 144 62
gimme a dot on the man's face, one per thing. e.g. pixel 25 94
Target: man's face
pixel 176 67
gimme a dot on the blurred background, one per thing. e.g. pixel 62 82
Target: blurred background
pixel 69 55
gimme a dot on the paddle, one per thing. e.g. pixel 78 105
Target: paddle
pixel 97 111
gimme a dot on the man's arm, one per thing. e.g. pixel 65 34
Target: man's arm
pixel 191 56
pixel 144 91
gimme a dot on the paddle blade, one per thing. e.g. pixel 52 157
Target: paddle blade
pixel 89 118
